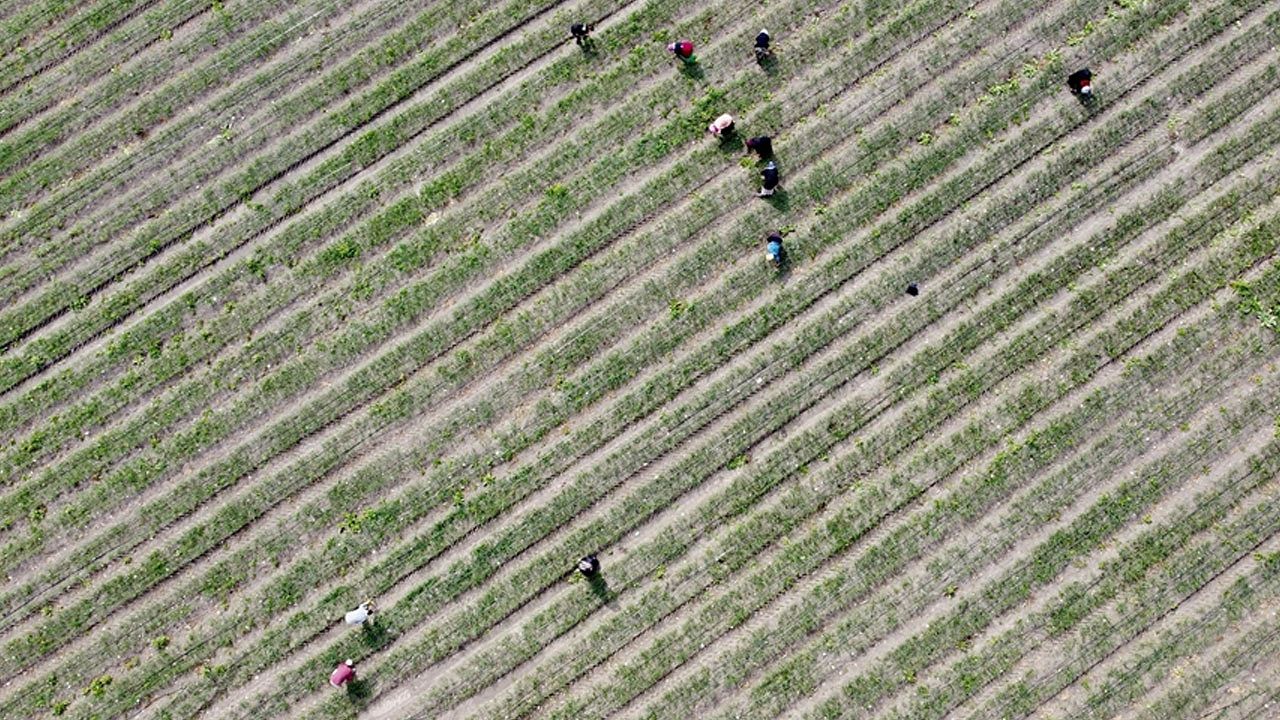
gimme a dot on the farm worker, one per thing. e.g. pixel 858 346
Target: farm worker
pixel 762 45
pixel 762 146
pixel 1081 83
pixel 343 674
pixel 581 32
pixel 913 289
pixel 682 49
pixel 589 565
pixel 360 614
pixel 721 126
pixel 769 179
pixel 773 248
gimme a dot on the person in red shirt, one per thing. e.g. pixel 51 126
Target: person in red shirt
pixel 682 49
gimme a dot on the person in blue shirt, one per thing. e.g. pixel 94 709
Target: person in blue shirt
pixel 773 248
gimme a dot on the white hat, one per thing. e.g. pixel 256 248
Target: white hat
pixel 1086 90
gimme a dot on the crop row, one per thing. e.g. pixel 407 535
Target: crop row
pixel 251 30
pixel 141 340
pixel 177 222
pixel 391 376
pixel 25 60
pixel 703 625
pixel 447 636
pixel 406 258
pixel 1080 607
pixel 1088 354
pixel 1233 605
pixel 268 114
pixel 1044 448
pixel 293 383
pixel 826 538
pixel 101 63
pixel 1154 659
pixel 153 338
pixel 1072 605
pixel 1192 694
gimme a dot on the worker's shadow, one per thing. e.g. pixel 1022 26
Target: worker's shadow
pixel 783 270
pixel 588 49
pixel 691 70
pixel 731 143
pixel 1088 102
pixel 600 588
pixel 374 635
pixel 359 690
pixel 779 200
pixel 769 64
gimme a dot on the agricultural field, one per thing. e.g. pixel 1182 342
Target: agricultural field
pixel 307 303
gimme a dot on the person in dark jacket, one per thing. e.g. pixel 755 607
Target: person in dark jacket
pixel 761 145
pixel 581 33
pixel 589 566
pixel 768 179
pixel 1081 83
pixel 762 45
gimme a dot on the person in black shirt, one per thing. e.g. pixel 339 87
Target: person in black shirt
pixel 761 145
pixel 762 45
pixel 1081 83
pixel 769 179
pixel 581 33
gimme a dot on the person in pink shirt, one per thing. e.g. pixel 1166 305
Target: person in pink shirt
pixel 343 674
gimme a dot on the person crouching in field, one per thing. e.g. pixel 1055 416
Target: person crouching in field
pixel 773 249
pixel 581 33
pixel 683 49
pixel 1081 84
pixel 722 127
pixel 762 46
pixel 761 145
pixel 768 179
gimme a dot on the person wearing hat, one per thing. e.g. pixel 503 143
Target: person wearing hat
pixel 589 566
pixel 721 126
pixel 343 674
pixel 768 179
